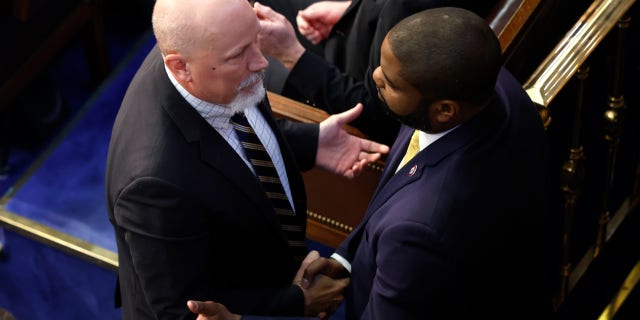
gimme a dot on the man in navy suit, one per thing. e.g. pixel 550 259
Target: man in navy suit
pixel 191 217
pixel 458 230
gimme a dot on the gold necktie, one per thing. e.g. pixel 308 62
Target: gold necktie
pixel 412 150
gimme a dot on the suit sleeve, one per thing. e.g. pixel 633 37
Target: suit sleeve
pixel 172 254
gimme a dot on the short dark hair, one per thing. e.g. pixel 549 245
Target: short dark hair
pixel 447 53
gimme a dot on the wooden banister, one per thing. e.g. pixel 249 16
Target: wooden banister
pixel 509 18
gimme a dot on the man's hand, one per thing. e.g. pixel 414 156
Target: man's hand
pixel 323 283
pixel 326 266
pixel 323 296
pixel 277 37
pixel 342 153
pixel 311 256
pixel 316 21
pixel 210 310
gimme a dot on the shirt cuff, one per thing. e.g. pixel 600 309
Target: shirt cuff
pixel 342 261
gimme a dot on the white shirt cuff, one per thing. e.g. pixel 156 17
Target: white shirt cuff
pixel 342 261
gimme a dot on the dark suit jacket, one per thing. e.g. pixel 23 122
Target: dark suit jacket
pixel 458 232
pixel 343 77
pixel 191 220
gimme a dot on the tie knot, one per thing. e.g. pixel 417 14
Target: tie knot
pixel 240 123
pixel 239 118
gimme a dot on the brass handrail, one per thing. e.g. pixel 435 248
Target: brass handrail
pixel 573 49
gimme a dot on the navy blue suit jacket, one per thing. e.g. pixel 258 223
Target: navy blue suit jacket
pixel 458 231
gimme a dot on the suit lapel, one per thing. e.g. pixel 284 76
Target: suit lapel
pixel 391 182
pixel 214 150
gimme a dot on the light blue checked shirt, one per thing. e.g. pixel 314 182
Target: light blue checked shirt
pixel 219 116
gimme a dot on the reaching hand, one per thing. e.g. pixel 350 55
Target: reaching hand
pixel 277 37
pixel 329 267
pixel 342 153
pixel 311 256
pixel 316 21
pixel 210 310
pixel 323 295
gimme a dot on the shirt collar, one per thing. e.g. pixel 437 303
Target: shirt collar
pixel 217 116
pixel 425 139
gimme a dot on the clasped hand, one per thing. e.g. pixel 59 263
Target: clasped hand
pixel 323 292
pixel 322 282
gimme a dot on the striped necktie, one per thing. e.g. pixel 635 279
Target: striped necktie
pixel 412 149
pixel 292 224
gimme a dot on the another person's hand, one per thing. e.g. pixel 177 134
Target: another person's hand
pixel 311 256
pixel 323 295
pixel 277 37
pixel 342 153
pixel 210 310
pixel 326 266
pixel 316 21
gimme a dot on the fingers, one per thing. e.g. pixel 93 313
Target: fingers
pixel 328 267
pixel 193 306
pixel 374 147
pixel 349 115
pixel 311 270
pixel 311 256
pixel 208 308
pixel 308 30
pixel 264 12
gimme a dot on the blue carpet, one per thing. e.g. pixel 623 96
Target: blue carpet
pixel 66 192
pixel 40 282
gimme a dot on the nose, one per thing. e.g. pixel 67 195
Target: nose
pixel 258 62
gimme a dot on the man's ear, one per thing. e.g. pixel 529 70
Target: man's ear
pixel 178 66
pixel 446 110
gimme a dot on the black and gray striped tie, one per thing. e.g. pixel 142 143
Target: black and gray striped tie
pixel 270 181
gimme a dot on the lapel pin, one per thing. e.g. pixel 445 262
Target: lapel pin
pixel 413 170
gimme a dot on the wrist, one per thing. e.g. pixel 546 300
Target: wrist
pixel 292 58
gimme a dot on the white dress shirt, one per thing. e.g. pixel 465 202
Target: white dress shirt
pixel 219 117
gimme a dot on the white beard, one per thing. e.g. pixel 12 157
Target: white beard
pixel 249 98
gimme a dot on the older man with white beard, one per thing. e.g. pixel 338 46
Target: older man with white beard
pixel 193 217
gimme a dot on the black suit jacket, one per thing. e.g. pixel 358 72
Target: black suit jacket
pixel 191 220
pixel 343 77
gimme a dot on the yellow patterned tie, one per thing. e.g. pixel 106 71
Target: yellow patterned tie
pixel 412 150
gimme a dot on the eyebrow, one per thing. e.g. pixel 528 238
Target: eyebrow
pixel 387 78
pixel 236 51
pixel 240 49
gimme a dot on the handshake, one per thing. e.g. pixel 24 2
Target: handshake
pixel 322 281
